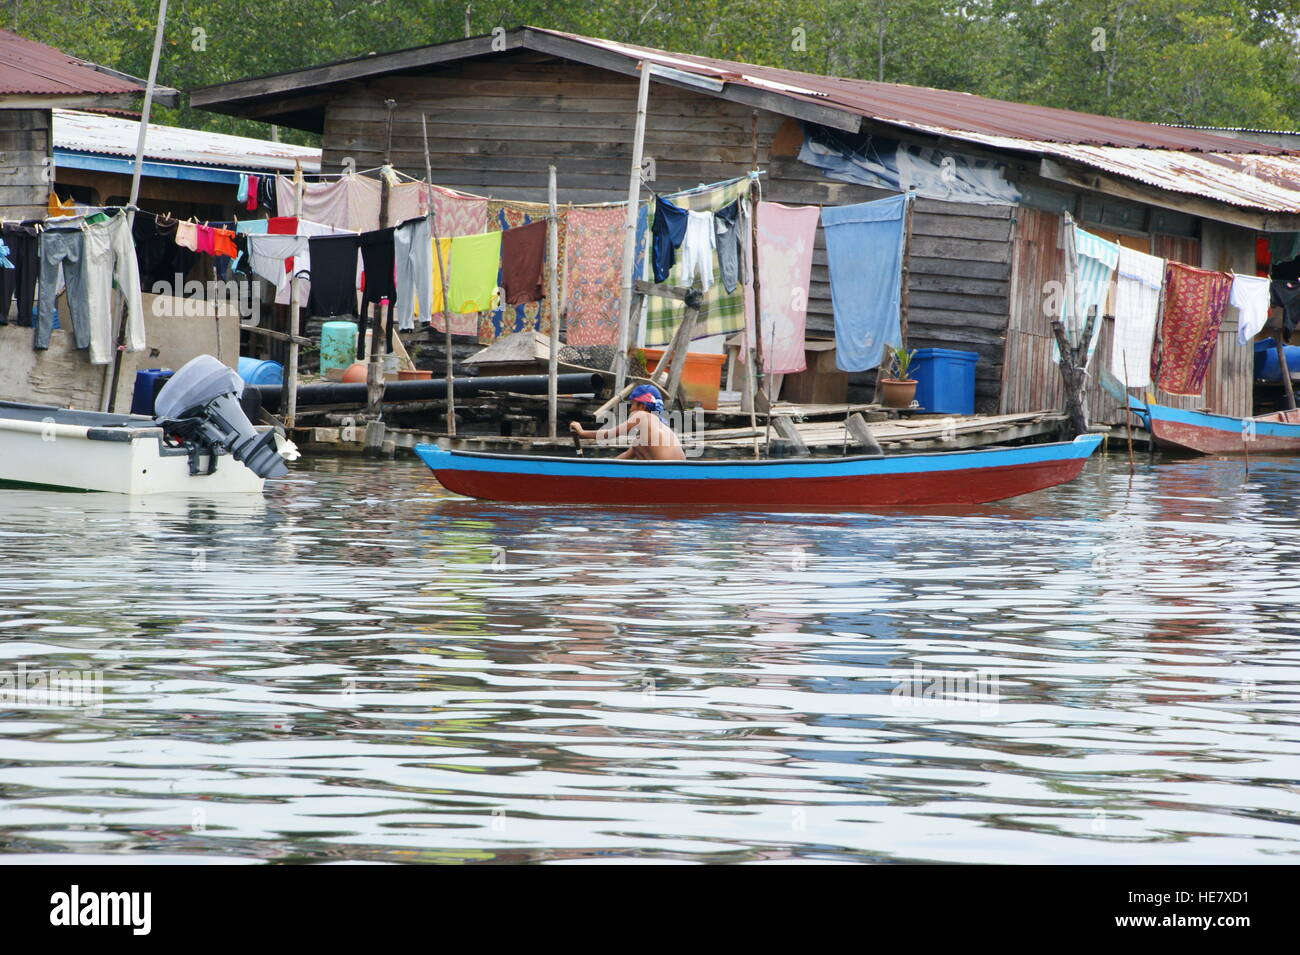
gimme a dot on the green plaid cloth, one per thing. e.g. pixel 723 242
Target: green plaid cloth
pixel 721 312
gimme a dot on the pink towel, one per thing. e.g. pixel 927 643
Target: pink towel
pixel 786 235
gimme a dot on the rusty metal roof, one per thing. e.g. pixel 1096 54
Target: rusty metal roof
pixel 28 67
pixel 82 131
pixel 947 109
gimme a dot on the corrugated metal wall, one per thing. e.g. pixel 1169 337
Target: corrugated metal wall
pixel 1030 378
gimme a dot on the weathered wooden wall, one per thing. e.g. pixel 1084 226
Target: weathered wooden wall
pixel 1030 378
pixel 25 167
pixel 494 127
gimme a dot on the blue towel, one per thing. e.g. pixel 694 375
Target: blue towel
pixel 864 252
pixel 668 232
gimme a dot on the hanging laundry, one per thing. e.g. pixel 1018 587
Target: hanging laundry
pixel 595 265
pixel 265 194
pixel 475 262
pixel 1195 302
pixel 63 249
pixel 1285 294
pixel 253 182
pixel 669 232
pixel 523 252
pixel 323 202
pixel 454 214
pixel 4 256
pixel 267 253
pixel 726 223
pixel 19 283
pixel 1251 297
pixel 378 257
pixel 110 263
pixel 413 250
pixel 187 235
pixel 786 236
pixel 249 227
pixel 159 259
pixel 241 193
pixel 409 200
pixel 698 248
pixel 864 254
pixel 721 312
pixel 1137 306
pixel 333 276
pixel 507 319
pixel 223 243
pixel 460 324
pixel 1094 265
pixel 203 240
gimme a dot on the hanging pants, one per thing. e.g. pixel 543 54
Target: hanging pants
pixel 413 249
pixel 64 248
pixel 109 258
pixel 20 281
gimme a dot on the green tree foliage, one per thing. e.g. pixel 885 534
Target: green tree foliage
pixel 1215 62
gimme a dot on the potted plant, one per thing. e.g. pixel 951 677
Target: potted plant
pixel 899 390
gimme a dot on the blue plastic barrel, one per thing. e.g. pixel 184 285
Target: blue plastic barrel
pixel 255 371
pixel 1266 364
pixel 945 380
pixel 147 383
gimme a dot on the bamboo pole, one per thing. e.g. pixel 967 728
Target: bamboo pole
pixel 108 400
pixel 552 295
pixel 629 235
pixel 291 373
pixel 442 280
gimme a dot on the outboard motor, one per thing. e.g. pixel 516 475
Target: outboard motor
pixel 199 405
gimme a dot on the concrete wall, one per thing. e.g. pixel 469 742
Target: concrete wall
pixel 63 375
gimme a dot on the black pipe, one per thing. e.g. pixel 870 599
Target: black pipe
pixel 426 389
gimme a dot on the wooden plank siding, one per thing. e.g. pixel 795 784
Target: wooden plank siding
pixel 1030 377
pixel 25 144
pixel 494 127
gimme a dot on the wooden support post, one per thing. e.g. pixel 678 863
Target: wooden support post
pixel 291 373
pixel 680 345
pixel 629 234
pixel 857 426
pixel 786 429
pixel 552 301
pixel 1073 368
pixel 1279 342
pixel 440 276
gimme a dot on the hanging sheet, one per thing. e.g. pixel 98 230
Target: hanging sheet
pixel 1195 302
pixel 786 235
pixel 721 312
pixel 1137 306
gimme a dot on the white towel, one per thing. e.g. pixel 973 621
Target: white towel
pixel 1250 298
pixel 1137 300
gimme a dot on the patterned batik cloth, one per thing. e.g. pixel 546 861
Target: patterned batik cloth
pixel 594 266
pixel 721 312
pixel 1195 303
pixel 532 315
pixel 786 235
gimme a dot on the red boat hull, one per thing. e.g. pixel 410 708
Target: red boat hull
pixel 925 489
pixel 1216 434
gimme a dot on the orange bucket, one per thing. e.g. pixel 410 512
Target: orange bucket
pixel 701 375
pixel 413 374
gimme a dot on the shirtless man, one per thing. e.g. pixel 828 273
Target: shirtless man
pixel 652 438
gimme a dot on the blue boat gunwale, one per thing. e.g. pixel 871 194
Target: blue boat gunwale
pixel 1210 419
pixel 778 469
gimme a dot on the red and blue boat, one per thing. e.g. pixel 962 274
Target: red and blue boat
pixel 934 479
pixel 1206 433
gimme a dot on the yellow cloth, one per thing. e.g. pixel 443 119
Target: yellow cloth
pixel 476 260
pixel 441 256
pixel 57 207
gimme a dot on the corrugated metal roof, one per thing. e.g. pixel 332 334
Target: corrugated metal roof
pixel 116 136
pixel 965 112
pixel 28 67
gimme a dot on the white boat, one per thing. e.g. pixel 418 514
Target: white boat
pixel 201 443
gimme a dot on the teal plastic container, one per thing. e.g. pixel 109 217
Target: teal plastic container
pixel 338 345
pixel 254 371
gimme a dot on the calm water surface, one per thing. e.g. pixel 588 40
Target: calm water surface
pixel 364 668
